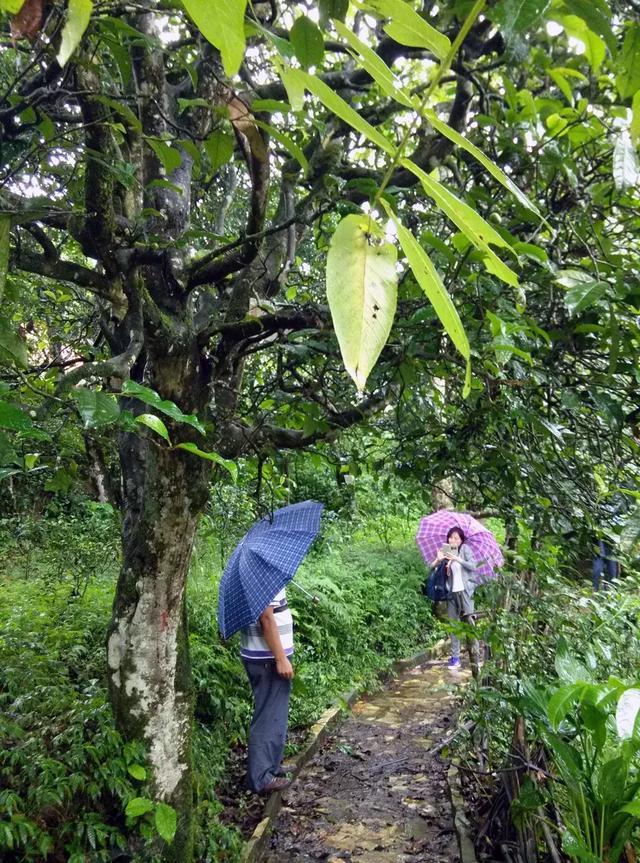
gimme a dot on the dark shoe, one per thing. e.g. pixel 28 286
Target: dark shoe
pixel 285 769
pixel 275 785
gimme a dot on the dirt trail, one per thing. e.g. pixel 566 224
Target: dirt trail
pixel 377 791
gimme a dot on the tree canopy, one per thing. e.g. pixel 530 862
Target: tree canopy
pixel 228 231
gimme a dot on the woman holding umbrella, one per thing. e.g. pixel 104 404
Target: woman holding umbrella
pixel 472 552
pixel 461 588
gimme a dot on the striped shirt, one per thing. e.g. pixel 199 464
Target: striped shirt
pixel 252 641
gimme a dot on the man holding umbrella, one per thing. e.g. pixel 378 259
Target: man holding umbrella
pixel 252 600
pixel 265 648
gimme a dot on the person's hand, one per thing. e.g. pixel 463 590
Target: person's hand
pixel 439 556
pixel 284 668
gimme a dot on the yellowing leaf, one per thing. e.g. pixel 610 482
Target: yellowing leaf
pixel 221 22
pixel 78 17
pixel 431 283
pixel 362 289
pixel 472 225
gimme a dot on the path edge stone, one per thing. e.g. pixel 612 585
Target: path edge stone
pixel 318 733
pixel 460 820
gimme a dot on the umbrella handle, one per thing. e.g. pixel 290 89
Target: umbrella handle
pixel 312 596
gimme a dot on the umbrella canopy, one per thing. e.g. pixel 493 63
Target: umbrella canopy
pixel 264 561
pixel 432 534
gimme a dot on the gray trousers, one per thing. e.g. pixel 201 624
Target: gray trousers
pixel 269 724
pixel 459 607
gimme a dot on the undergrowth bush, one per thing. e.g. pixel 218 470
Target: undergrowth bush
pixel 561 658
pixel 66 775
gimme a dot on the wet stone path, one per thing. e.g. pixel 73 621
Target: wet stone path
pixel 377 791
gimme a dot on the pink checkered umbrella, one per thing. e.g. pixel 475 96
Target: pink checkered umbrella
pixel 432 534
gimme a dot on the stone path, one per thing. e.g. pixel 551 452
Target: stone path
pixel 377 791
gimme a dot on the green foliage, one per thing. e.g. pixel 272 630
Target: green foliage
pixel 71 784
pixel 540 622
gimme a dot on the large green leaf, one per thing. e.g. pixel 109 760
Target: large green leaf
pixel 634 128
pixel 562 701
pixel 226 463
pixel 5 228
pixel 431 283
pixel 472 225
pixel 96 408
pixel 594 47
pixel 11 345
pixel 362 289
pixel 149 397
pixel 138 806
pixel 287 142
pixel 78 17
pixel 332 9
pixel 517 16
pixel 221 22
pixel 446 130
pixel 628 63
pixel 583 290
pixel 409 28
pixel 219 148
pixel 375 66
pixel 307 41
pixel 338 106
pixel 11 6
pixel 155 424
pixel 13 418
pixel 597 16
pixel 168 155
pixel 166 821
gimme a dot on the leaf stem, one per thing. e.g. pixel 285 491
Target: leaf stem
pixel 442 70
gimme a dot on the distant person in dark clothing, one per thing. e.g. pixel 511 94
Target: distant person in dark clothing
pixel 605 567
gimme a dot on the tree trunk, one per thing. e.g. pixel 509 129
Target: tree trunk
pixel 164 491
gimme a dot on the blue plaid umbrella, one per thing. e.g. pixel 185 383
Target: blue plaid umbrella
pixel 264 561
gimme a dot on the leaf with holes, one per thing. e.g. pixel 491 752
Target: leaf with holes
pixel 362 289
